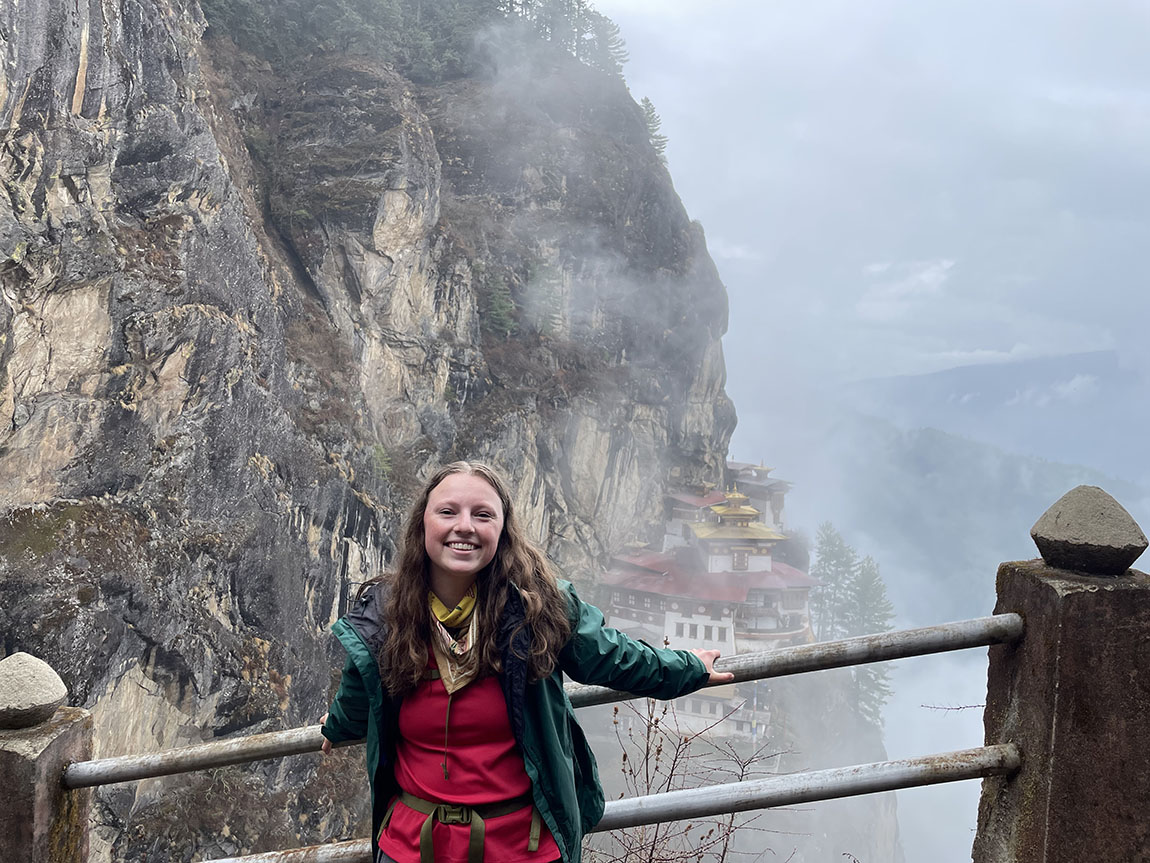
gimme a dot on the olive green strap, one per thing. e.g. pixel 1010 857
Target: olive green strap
pixel 386 819
pixel 533 839
pixel 474 841
pixel 445 813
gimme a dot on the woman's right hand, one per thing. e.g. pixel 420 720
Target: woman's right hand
pixel 326 747
pixel 715 677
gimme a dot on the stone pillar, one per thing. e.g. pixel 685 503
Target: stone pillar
pixel 40 822
pixel 1073 694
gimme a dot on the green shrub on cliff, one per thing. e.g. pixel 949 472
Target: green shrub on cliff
pixel 498 309
pixel 427 40
pixel 287 30
pixel 654 123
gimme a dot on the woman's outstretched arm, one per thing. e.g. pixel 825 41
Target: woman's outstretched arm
pixel 596 653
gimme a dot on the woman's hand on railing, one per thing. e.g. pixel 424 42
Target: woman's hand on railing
pixel 709 657
pixel 326 747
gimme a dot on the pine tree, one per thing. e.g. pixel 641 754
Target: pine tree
pixel 834 567
pixel 605 48
pixel 654 122
pixel 868 611
pixel 580 28
pixel 851 601
pixel 554 20
pixel 544 302
pixel 499 310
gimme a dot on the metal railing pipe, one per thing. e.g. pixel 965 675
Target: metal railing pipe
pixel 1003 759
pixel 218 753
pixel 980 632
pixel 731 797
pixel 353 851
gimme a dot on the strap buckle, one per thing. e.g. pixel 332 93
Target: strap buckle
pixel 445 813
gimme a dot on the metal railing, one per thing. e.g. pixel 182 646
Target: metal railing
pixel 979 632
pixel 734 797
pixel 668 806
pixel 1063 711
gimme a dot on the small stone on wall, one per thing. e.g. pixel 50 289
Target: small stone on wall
pixel 30 691
pixel 1086 530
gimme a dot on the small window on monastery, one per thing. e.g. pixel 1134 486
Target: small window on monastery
pixel 707 633
pixel 723 634
pixel 678 630
pixel 694 630
pixel 739 561
pixel 615 596
pixel 646 602
pixel 712 708
pixel 630 599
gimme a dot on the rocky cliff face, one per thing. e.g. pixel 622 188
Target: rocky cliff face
pixel 245 312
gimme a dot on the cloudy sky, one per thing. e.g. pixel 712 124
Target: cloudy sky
pixel 897 187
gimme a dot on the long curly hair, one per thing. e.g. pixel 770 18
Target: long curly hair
pixel 518 564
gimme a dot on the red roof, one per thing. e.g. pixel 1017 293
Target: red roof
pixel 711 499
pixel 655 561
pixel 663 574
pixel 739 466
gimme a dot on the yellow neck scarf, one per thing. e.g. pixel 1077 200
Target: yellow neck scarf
pixel 458 664
pixel 453 616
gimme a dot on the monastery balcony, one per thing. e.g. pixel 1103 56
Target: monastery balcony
pixel 752 640
pixel 764 620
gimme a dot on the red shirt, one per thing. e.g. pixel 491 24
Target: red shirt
pixel 484 765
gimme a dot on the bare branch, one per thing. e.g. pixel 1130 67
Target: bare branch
pixel 958 707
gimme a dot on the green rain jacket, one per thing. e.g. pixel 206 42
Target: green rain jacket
pixel 559 762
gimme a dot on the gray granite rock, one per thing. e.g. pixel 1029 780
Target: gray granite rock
pixel 1086 530
pixel 30 691
pixel 244 319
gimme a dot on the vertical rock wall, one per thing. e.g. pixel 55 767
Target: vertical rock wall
pixel 244 313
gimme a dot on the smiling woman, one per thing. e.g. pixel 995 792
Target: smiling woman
pixel 461 526
pixel 454 674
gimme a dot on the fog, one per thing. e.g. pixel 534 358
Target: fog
pixel 932 215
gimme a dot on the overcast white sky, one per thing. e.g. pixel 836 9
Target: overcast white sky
pixel 895 187
pixel 898 187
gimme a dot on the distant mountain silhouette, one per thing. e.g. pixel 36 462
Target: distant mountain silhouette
pixel 1077 408
pixel 940 511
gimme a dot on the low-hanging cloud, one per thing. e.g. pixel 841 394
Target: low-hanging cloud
pixel 1077 389
pixel 896 288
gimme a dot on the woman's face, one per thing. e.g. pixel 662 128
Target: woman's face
pixel 462 523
